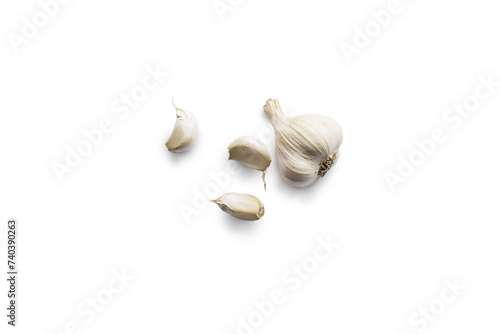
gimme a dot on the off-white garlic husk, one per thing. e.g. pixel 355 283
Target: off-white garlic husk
pixel 241 206
pixel 185 132
pixel 251 152
pixel 306 146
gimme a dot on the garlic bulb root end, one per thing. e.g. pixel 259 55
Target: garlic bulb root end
pixel 327 163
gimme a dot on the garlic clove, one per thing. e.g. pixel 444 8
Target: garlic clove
pixel 306 146
pixel 185 132
pixel 241 206
pixel 251 152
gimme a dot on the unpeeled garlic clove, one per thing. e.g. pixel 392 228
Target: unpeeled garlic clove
pixel 185 132
pixel 306 146
pixel 251 152
pixel 241 206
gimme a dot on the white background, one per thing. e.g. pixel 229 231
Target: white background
pixel 120 207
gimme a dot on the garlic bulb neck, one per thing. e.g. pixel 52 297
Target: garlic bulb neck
pixel 275 114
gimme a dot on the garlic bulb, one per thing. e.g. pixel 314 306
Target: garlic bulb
pixel 241 206
pixel 306 146
pixel 251 152
pixel 185 132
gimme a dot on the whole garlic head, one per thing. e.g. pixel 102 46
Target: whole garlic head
pixel 306 146
pixel 185 132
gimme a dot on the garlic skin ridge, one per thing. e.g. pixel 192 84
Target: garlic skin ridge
pixel 241 206
pixel 251 152
pixel 185 132
pixel 306 146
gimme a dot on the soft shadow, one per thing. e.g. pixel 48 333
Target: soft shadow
pixel 247 173
pixel 179 158
pixel 309 195
pixel 240 226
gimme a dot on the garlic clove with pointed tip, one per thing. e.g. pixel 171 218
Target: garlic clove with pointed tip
pixel 185 132
pixel 241 206
pixel 251 152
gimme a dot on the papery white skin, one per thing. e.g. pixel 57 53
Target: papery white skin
pixel 306 146
pixel 185 132
pixel 241 206
pixel 251 152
